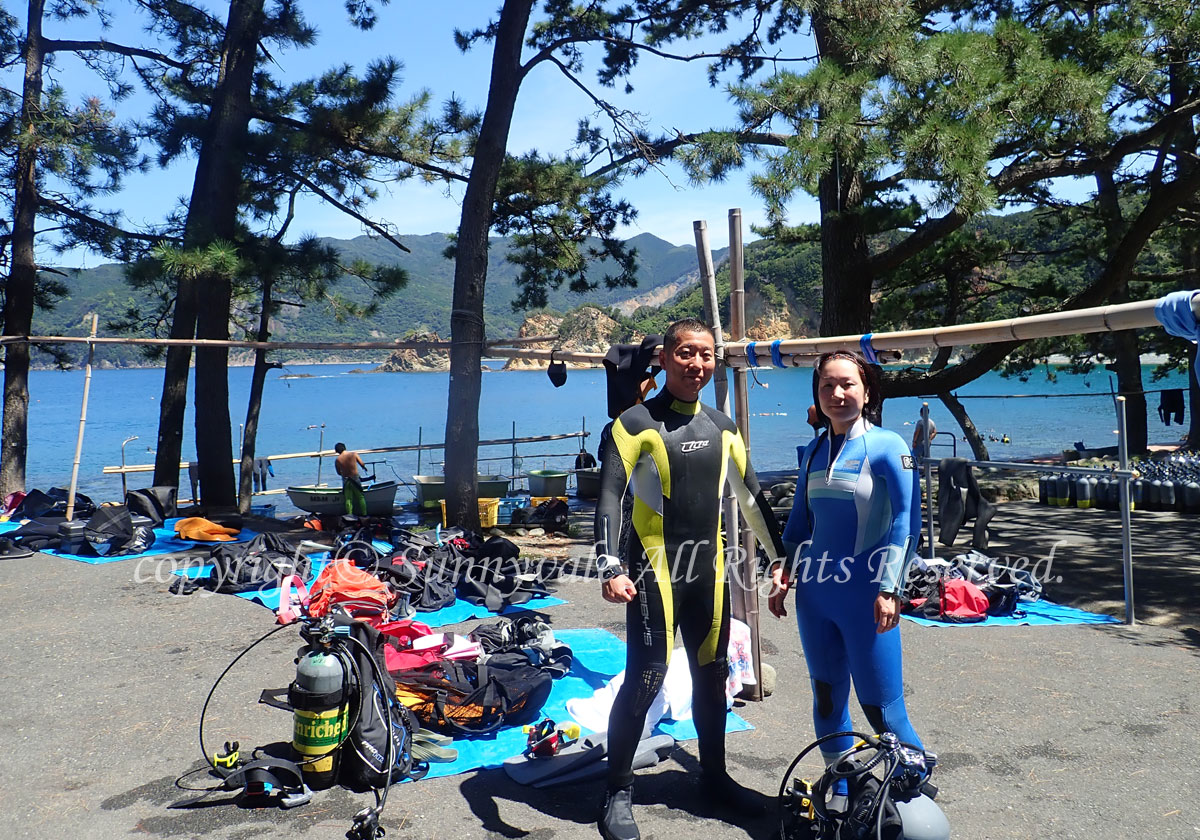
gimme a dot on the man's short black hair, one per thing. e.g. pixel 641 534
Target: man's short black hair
pixel 683 327
pixel 339 447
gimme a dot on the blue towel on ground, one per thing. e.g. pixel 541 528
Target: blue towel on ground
pixel 598 657
pixel 1038 613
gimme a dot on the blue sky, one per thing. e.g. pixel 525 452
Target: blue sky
pixel 673 96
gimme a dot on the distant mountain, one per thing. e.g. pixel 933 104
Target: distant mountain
pixel 423 305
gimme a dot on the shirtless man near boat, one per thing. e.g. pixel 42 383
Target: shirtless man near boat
pixel 347 466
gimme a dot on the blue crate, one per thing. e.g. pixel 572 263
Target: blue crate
pixel 507 506
pixel 265 511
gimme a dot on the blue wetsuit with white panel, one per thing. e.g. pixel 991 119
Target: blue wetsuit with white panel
pixel 853 542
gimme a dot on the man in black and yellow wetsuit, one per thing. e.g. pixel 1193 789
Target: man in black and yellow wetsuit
pixel 674 455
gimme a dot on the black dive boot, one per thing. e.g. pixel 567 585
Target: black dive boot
pixel 616 820
pixel 720 793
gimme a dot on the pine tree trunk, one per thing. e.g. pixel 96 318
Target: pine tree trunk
pixel 204 302
pixel 22 277
pixel 470 268
pixel 258 380
pixel 954 405
pixel 1128 366
pixel 846 284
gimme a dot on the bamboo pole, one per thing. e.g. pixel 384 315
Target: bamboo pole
pixel 1122 316
pixel 499 343
pixel 741 401
pixel 712 314
pixel 87 387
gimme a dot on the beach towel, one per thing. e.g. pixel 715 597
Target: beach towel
pixel 1041 613
pixel 599 656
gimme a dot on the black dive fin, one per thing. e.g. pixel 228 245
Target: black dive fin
pixel 650 752
pixel 529 771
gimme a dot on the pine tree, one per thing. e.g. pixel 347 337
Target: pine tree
pixel 61 157
pixel 259 143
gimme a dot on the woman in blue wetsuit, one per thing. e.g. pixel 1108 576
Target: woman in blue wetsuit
pixel 849 538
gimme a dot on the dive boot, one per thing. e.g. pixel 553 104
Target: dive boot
pixel 616 820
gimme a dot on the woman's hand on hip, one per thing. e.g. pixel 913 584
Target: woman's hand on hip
pixel 777 600
pixel 887 612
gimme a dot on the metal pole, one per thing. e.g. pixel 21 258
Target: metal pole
pixel 514 450
pixel 320 448
pixel 87 387
pixel 124 489
pixel 1126 524
pixel 420 430
pixel 741 402
pixel 929 546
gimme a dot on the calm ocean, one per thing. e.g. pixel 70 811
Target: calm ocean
pixel 388 409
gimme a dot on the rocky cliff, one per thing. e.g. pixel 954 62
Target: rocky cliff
pixel 587 330
pixel 408 361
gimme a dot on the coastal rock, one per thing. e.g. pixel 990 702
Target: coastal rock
pixel 417 360
pixel 587 330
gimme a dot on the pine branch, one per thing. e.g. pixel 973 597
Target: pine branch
pixel 60 45
pixel 357 146
pixel 350 211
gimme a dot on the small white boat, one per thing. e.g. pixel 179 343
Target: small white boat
pixel 381 498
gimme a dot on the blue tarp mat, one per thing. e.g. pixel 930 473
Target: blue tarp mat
pixel 457 612
pixel 598 657
pixel 1039 614
pixel 165 542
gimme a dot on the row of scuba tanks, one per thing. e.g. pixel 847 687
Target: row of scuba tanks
pixel 1171 484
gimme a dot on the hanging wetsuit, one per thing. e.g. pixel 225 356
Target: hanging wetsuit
pixel 675 458
pixel 854 541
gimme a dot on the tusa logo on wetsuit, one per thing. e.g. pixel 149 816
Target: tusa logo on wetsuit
pixel 908 462
pixel 693 445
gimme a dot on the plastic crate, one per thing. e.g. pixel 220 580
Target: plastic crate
pixel 534 501
pixel 507 506
pixel 265 511
pixel 488 509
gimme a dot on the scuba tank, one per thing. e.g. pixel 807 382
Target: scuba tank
pixel 1083 492
pixel 888 794
pixel 1103 498
pixel 1167 494
pixel 1071 500
pixel 1058 495
pixel 1154 495
pixel 1191 497
pixel 1043 491
pixel 320 698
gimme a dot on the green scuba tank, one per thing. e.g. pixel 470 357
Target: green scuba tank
pixel 320 700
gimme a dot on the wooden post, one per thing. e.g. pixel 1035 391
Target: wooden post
pixel 87 387
pixel 712 314
pixel 741 403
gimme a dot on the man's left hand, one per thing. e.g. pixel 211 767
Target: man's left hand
pixel 887 612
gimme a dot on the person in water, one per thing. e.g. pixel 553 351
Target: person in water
pixel 347 464
pixel 674 455
pixel 850 537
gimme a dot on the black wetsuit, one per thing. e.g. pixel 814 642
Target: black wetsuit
pixel 675 458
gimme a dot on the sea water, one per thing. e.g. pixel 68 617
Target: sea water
pixel 309 407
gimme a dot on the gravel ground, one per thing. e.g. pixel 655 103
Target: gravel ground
pixel 1065 732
